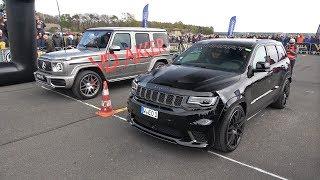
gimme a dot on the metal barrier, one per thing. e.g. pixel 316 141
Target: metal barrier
pixel 179 48
pixel 309 48
pixel 5 55
pixel 315 49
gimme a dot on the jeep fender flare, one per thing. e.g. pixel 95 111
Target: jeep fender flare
pixel 235 100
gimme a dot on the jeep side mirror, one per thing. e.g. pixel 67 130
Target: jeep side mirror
pixel 114 48
pixel 262 67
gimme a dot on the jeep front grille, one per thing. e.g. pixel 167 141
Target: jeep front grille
pixel 159 97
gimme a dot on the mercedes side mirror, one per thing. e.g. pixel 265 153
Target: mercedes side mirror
pixel 250 72
pixel 174 56
pixel 114 48
pixel 262 67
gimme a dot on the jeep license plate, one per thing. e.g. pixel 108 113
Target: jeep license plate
pixel 149 112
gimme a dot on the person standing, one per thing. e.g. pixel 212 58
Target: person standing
pixel 58 41
pixel 307 39
pixel 48 44
pixel 78 39
pixel 291 49
pixel 181 46
pixel 318 39
pixel 3 24
pixel 3 40
pixel 40 25
pixel 300 39
pixel 70 41
pixel 40 42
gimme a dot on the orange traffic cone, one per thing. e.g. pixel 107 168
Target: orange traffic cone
pixel 106 109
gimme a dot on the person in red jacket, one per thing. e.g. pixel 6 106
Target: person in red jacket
pixel 291 49
pixel 300 39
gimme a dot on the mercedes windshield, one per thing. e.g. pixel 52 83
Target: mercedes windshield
pixel 95 39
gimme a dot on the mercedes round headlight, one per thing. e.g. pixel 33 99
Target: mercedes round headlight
pixel 57 67
pixel 202 101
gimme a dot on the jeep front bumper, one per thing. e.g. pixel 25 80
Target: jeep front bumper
pixel 177 127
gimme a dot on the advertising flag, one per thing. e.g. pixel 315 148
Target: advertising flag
pixel 318 31
pixel 145 15
pixel 232 24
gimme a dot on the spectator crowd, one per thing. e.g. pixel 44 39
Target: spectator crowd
pixel 46 42
pixel 3 31
pixel 284 38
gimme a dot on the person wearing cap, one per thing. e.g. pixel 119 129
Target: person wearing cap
pixel 291 49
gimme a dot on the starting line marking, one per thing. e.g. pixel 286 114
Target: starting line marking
pixel 249 166
pixel 219 155
pixel 120 110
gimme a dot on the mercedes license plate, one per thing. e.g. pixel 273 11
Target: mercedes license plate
pixel 40 77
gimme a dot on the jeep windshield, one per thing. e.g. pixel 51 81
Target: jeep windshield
pixel 224 57
pixel 94 39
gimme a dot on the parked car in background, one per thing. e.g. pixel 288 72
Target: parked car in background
pixel 71 69
pixel 205 96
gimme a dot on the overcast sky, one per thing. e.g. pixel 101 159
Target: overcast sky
pixel 252 15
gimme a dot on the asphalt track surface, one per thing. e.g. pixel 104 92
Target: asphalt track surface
pixel 49 135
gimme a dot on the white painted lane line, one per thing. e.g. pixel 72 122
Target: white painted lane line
pixel 253 115
pixel 124 119
pixel 95 107
pixel 249 166
pixel 90 105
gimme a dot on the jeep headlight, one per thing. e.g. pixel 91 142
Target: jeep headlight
pixel 57 67
pixel 202 101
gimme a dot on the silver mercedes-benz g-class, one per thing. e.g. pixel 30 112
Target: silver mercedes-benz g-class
pixel 80 69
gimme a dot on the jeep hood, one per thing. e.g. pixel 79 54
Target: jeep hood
pixel 70 54
pixel 192 78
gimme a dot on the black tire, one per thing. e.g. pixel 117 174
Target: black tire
pixel 281 102
pixel 232 125
pixel 158 65
pixel 81 79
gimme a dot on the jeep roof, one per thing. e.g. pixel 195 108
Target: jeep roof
pixel 244 42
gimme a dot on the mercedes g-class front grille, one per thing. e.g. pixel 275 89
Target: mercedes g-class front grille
pixel 44 65
pixel 159 97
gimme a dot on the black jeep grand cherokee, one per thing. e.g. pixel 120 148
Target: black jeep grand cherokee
pixel 205 97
